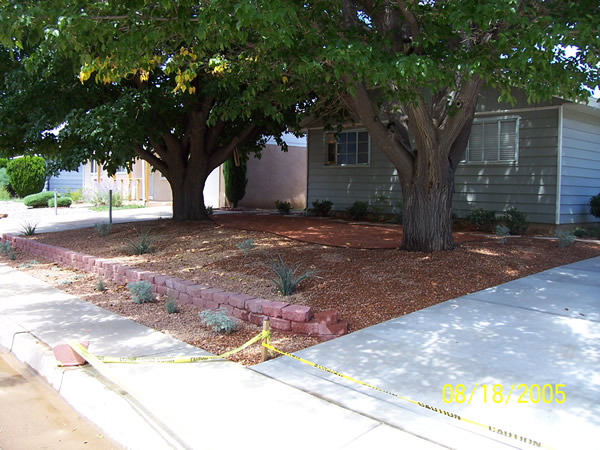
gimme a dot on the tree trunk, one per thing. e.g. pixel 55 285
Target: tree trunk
pixel 427 214
pixel 188 198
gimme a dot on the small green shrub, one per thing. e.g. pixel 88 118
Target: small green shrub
pixel 595 206
pixel 482 220
pixel 502 232
pixel 283 207
pixel 285 278
pixel 210 210
pixel 141 292
pixel 29 265
pixel 76 196
pixel 29 228
pixel 397 218
pixel 358 210
pixel 4 180
pixel 3 163
pixel 100 197
pixel 171 306
pixel 246 245
pixel 321 208
pixel 5 248
pixel 39 200
pixel 593 232
pixel 378 206
pixel 62 202
pixel 100 286
pixel 103 229
pixel 143 244
pixel 218 321
pixel 12 255
pixel 565 238
pixel 27 174
pixel 516 221
pixel 4 194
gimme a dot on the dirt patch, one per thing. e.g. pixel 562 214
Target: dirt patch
pixel 365 286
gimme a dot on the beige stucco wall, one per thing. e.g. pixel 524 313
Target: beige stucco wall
pixel 276 176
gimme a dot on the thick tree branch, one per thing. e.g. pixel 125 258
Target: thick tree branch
pixel 363 106
pixel 410 19
pixel 466 101
pixel 221 154
pixel 155 162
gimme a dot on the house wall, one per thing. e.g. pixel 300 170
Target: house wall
pixel 276 175
pixel 345 185
pixel 580 174
pixel 529 184
pixel 67 181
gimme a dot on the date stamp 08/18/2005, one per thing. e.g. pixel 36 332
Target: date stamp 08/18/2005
pixel 496 393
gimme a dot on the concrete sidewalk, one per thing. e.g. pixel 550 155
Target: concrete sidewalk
pixel 82 218
pixel 540 330
pixel 201 405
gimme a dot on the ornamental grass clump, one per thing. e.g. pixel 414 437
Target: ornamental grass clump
pixel 246 246
pixel 565 238
pixel 285 278
pixel 171 306
pixel 103 229
pixel 5 248
pixel 29 228
pixel 143 244
pixel 502 232
pixel 141 292
pixel 218 321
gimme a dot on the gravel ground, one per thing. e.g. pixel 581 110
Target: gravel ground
pixel 365 286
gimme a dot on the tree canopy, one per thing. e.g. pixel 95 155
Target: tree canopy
pixel 167 82
pixel 409 71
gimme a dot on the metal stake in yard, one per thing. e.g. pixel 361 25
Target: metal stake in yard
pixel 266 328
pixel 110 206
pixel 55 204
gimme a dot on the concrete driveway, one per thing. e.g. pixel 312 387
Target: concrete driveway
pixel 539 336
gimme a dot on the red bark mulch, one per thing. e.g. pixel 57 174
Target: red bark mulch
pixel 326 231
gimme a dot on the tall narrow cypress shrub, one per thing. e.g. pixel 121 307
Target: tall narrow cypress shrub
pixel 235 180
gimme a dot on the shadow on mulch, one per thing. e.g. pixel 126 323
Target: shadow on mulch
pixel 325 231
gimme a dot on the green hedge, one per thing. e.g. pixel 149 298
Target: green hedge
pixel 40 200
pixel 27 174
pixel 63 202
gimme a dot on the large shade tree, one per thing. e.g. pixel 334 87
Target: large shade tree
pixel 177 84
pixel 411 71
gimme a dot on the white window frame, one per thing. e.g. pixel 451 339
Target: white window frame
pixel 94 166
pixel 498 120
pixel 121 170
pixel 332 139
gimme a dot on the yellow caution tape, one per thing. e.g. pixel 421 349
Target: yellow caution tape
pixel 496 430
pixel 168 359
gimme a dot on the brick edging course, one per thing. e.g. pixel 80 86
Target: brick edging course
pixel 283 316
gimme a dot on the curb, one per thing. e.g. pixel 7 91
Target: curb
pixel 116 413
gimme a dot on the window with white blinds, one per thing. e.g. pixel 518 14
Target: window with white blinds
pixel 494 140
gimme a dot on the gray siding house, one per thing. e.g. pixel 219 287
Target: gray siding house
pixel 66 181
pixel 543 160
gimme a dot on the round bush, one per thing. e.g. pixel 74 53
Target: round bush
pixel 40 200
pixel 63 202
pixel 27 174
pixel 595 206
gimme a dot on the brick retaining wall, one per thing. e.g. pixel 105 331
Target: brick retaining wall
pixel 283 316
